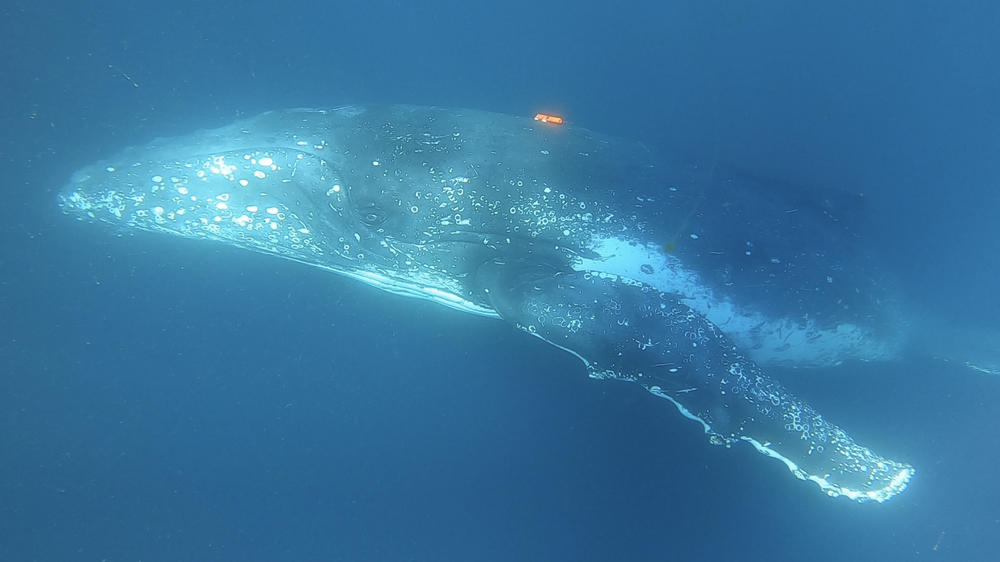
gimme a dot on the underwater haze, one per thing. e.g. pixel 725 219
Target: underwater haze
pixel 168 400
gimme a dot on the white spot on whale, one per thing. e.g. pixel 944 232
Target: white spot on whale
pixel 768 336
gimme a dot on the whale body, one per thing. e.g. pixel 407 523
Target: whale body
pixel 595 245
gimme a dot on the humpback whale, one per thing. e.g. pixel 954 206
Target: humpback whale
pixel 596 245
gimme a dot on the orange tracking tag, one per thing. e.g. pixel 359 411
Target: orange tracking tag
pixel 546 118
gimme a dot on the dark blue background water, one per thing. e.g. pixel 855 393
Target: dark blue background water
pixel 162 400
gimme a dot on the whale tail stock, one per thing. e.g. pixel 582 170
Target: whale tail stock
pixel 628 331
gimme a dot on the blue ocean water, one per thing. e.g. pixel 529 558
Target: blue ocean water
pixel 161 400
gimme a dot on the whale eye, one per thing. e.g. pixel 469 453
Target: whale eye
pixel 372 215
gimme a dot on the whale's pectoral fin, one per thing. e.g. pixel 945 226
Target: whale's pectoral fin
pixel 623 330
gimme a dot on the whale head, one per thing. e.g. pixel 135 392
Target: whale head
pixel 284 184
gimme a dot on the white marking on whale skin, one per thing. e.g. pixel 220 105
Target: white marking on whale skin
pixel 895 485
pixel 531 330
pixel 983 369
pixel 768 339
pixel 657 391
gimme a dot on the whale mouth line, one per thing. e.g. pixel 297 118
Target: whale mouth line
pixel 410 287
